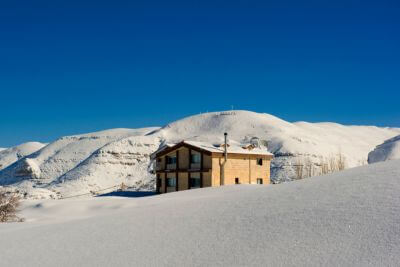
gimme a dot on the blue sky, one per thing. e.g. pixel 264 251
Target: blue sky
pixel 72 67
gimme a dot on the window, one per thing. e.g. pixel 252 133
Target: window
pixel 195 180
pixel 159 160
pixel 259 161
pixel 171 182
pixel 236 180
pixel 195 158
pixel 259 181
pixel 171 159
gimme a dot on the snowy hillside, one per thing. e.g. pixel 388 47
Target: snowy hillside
pixel 123 161
pixel 103 154
pixel 292 143
pixel 389 150
pixel 87 163
pixel 349 218
pixel 10 155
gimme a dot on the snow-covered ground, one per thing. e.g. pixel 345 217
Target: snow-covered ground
pixel 85 163
pixel 350 218
pixel 10 155
pixel 389 150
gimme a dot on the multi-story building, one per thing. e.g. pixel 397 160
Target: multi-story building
pixel 189 165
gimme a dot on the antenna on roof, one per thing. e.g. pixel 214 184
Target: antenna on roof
pixel 255 142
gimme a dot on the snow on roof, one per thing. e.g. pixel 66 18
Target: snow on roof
pixel 232 148
pixel 161 148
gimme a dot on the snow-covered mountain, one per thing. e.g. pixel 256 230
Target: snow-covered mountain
pixel 95 161
pixel 10 155
pixel 389 150
pixel 90 162
pixel 349 218
pixel 313 145
pixel 2 148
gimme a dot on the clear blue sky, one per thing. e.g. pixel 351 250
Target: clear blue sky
pixel 70 67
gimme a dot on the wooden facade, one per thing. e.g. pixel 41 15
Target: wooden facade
pixel 184 166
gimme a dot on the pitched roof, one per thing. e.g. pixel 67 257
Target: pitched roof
pixel 208 147
pixel 232 148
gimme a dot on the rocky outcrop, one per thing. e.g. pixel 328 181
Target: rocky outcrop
pixel 28 168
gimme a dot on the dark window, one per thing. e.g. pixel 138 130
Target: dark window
pixel 236 180
pixel 171 160
pixel 194 182
pixel 259 181
pixel 159 159
pixel 171 182
pixel 195 158
pixel 259 161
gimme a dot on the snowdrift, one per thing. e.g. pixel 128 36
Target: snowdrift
pixel 349 218
pixel 87 163
pixel 389 150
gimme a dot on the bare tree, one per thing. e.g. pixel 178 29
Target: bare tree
pixel 309 168
pixel 305 167
pixel 324 167
pixel 9 204
pixel 341 162
pixel 298 167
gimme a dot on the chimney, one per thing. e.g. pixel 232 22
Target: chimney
pixel 222 165
pixel 226 146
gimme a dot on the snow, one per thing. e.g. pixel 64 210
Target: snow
pixel 232 148
pixel 389 150
pixel 85 155
pixel 84 163
pixel 289 142
pixel 124 161
pixel 349 218
pixel 10 155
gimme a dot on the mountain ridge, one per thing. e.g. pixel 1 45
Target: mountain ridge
pixel 85 163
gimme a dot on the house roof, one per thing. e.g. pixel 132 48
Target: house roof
pixel 160 149
pixel 211 148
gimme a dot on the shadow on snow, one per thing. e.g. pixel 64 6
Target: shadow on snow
pixel 128 194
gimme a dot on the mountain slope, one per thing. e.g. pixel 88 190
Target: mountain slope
pixel 80 164
pixel 10 155
pixel 349 218
pixel 290 142
pixel 35 174
pixel 123 161
pixel 389 150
